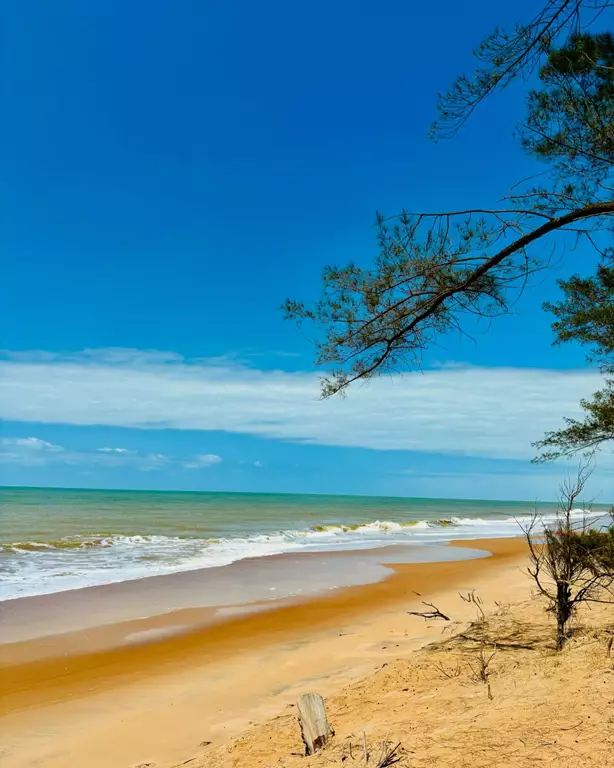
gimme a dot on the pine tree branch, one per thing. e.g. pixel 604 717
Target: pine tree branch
pixel 593 210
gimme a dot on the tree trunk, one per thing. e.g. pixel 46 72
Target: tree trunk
pixel 563 612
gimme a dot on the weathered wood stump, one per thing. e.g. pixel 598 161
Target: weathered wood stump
pixel 315 729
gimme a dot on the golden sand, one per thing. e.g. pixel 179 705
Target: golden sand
pixel 430 707
pixel 30 678
pixel 234 683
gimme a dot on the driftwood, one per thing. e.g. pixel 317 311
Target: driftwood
pixel 435 613
pixel 315 729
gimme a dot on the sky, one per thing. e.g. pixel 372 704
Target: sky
pixel 171 172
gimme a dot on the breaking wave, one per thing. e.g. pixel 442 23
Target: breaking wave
pixel 41 567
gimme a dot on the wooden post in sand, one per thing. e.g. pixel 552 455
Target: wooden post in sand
pixel 315 729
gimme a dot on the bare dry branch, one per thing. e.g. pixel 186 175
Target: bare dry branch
pixel 435 613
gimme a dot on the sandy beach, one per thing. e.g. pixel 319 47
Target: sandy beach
pixel 307 385
pixel 182 679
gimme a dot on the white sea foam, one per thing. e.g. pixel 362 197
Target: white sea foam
pixel 35 568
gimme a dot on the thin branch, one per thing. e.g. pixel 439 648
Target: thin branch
pixel 435 613
pixel 580 214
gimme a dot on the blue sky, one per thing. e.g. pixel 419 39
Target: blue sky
pixel 172 172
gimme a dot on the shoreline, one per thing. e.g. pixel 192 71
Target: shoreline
pixel 263 581
pixel 243 664
pixel 57 540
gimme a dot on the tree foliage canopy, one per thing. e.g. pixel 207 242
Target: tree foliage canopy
pixel 570 120
pixel 508 54
pixel 586 315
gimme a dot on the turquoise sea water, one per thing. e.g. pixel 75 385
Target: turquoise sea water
pixel 57 539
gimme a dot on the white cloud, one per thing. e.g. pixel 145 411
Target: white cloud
pixel 153 461
pixel 202 460
pixel 258 464
pixel 29 444
pixel 29 451
pixel 491 412
pixel 32 451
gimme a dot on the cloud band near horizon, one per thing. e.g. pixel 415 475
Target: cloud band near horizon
pixel 484 412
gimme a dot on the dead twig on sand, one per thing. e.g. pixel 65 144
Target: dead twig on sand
pixel 475 600
pixel 435 613
pixel 389 755
pixel 481 671
pixel 449 674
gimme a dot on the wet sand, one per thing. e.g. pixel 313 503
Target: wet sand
pixel 262 581
pixel 82 698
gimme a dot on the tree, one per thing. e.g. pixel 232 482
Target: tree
pixel 509 54
pixel 586 315
pixel 435 269
pixel 571 563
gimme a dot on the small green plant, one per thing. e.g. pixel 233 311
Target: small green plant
pixel 571 562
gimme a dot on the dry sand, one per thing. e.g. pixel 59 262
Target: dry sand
pixel 430 708
pixel 234 684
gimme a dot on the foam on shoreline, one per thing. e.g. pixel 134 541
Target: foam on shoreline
pixel 35 567
pixel 263 581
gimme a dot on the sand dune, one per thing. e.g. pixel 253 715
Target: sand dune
pixel 432 705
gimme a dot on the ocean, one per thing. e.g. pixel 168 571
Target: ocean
pixel 53 540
